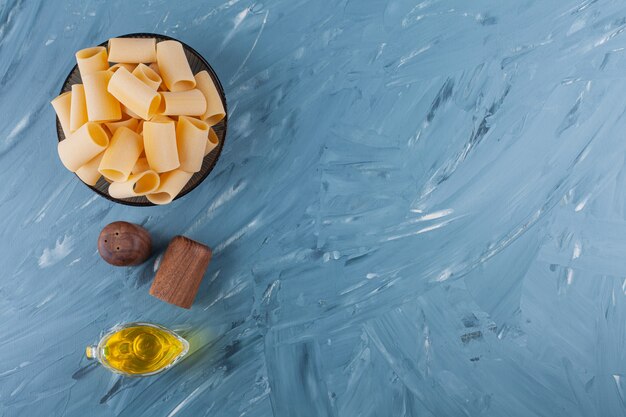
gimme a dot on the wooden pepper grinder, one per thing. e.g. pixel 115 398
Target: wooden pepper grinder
pixel 124 244
pixel 181 271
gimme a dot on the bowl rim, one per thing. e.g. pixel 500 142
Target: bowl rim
pixel 221 92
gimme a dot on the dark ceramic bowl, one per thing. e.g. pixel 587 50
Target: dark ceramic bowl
pixel 197 64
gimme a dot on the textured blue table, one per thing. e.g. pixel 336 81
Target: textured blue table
pixel 420 210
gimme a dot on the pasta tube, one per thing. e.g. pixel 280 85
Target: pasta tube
pixel 137 184
pixel 132 50
pixel 83 145
pixel 121 155
pixel 159 140
pixel 174 66
pixel 214 107
pixel 78 109
pixel 62 107
pixel 171 185
pixel 186 103
pixel 91 60
pixel 128 122
pixel 212 142
pixel 147 76
pixel 191 137
pixel 101 105
pixel 89 173
pixel 134 94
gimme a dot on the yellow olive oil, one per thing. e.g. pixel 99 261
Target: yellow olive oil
pixel 141 349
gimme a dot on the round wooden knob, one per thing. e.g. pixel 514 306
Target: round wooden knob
pixel 124 244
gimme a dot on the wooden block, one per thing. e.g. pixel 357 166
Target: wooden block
pixel 124 244
pixel 181 271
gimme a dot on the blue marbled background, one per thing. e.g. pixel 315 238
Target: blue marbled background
pixel 420 210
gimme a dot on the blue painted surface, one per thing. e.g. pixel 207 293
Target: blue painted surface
pixel 420 210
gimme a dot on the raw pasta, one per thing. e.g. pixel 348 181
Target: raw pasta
pixel 101 105
pixel 89 173
pixel 174 67
pixel 83 145
pixel 137 184
pixel 91 60
pixel 214 106
pixel 155 67
pixel 132 50
pixel 141 165
pixel 129 67
pixel 129 122
pixel 161 118
pixel 121 155
pixel 147 76
pixel 212 142
pixel 191 137
pixel 62 107
pixel 134 94
pixel 159 140
pixel 78 108
pixel 171 185
pixel 158 113
pixel 186 103
pixel 129 112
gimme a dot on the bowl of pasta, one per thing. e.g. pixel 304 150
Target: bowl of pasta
pixel 141 119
